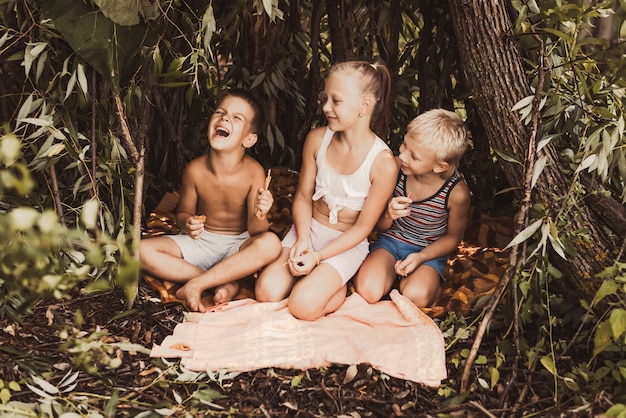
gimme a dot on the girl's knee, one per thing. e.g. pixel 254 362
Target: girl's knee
pixel 303 307
pixel 368 293
pixel 303 312
pixel 266 295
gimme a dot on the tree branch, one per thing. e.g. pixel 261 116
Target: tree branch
pixel 518 251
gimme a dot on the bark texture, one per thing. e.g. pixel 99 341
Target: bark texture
pixel 493 66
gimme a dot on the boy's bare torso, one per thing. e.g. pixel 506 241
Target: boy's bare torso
pixel 223 194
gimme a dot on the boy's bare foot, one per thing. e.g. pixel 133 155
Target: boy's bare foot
pixel 191 293
pixel 226 292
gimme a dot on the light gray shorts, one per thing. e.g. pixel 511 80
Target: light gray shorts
pixel 210 248
pixel 346 263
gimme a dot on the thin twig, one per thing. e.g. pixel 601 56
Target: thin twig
pixel 56 195
pixel 126 136
pixel 515 261
pixel 94 141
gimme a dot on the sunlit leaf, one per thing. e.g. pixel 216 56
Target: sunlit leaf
pixel 10 147
pixel 587 162
pixel 526 233
pixel 208 26
pixel 540 164
pixel 608 287
pixel 507 157
pixel 82 78
pixel 617 319
pixel 70 85
pixel 602 337
pixel 48 387
pixel 525 102
pixel 548 363
pixel 494 375
pixel 23 218
pixel 89 213
pixel 124 13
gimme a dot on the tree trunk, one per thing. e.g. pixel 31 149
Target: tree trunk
pixel 340 26
pixel 493 66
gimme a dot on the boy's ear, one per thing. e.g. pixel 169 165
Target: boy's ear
pixel 250 140
pixel 441 167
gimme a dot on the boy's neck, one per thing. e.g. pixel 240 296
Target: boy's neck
pixel 429 179
pixel 220 161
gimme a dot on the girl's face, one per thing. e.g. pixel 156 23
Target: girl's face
pixel 417 159
pixel 341 101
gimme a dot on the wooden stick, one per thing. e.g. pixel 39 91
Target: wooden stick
pixel 268 178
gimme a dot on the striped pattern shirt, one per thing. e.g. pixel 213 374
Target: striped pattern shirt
pixel 428 220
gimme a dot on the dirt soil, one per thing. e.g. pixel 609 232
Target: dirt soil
pixel 34 344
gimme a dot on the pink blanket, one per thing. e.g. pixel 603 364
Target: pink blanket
pixel 392 336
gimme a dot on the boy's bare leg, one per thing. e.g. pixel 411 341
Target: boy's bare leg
pixel 254 254
pixel 226 292
pixel 422 287
pixel 275 281
pixel 161 257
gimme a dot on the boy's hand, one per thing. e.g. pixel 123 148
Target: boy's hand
pixel 195 226
pixel 263 203
pixel 408 265
pixel 398 207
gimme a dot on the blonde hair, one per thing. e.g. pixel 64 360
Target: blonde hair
pixel 375 80
pixel 442 131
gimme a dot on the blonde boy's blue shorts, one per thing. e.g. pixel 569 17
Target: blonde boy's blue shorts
pixel 210 248
pixel 347 263
pixel 400 250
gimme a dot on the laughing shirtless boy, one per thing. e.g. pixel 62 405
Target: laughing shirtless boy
pixel 221 213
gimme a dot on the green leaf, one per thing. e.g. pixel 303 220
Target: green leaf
pixel 5 395
pixel 540 164
pixel 124 13
pixel 526 233
pixel 507 157
pixel 89 215
pixel 618 322
pixel 608 287
pixel 209 26
pixel 602 337
pixel 548 363
pixel 208 395
pixel 108 47
pixel 525 102
pixel 10 147
pixel 494 375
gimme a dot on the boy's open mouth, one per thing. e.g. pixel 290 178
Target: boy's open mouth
pixel 219 131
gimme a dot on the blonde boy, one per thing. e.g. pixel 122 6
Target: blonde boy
pixel 425 220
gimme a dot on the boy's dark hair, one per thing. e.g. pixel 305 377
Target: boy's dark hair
pixel 258 123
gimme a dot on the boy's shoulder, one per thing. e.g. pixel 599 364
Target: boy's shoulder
pixel 252 163
pixel 461 192
pixel 197 162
